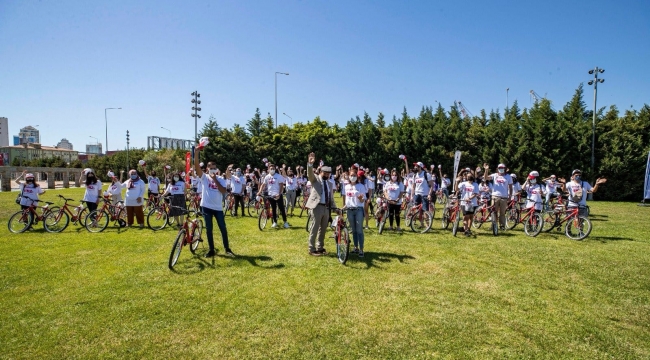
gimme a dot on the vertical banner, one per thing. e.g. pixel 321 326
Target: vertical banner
pixel 456 163
pixel 646 185
pixel 188 161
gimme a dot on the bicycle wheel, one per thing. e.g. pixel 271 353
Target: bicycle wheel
pixel 97 221
pixel 550 219
pixel 196 235
pixel 421 222
pixel 445 218
pixel 343 246
pixel 20 222
pixel 262 220
pixel 122 217
pixel 534 225
pixel 303 208
pixel 81 217
pixel 495 224
pixel 454 229
pixel 56 222
pixel 157 219
pixel 382 223
pixel 432 210
pixel 176 248
pixel 578 228
pixel 310 221
pixel 512 218
pixel 478 219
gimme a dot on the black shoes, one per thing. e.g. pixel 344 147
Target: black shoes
pixel 210 253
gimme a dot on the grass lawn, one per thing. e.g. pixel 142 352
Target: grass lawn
pixel 111 295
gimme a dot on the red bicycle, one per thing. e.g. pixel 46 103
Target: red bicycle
pixel 342 235
pixel 577 227
pixel 418 219
pixel 58 220
pixel 98 220
pixel 452 215
pixel 22 220
pixel 188 234
pixel 265 213
pixel 485 213
pixel 382 213
pixel 532 220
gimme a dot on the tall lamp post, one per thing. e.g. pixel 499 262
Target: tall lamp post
pixel 106 120
pixel 285 114
pixel 276 95
pixel 127 151
pixel 196 102
pixel 594 82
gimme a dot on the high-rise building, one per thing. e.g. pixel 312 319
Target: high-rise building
pixel 94 148
pixel 28 135
pixel 64 144
pixel 4 131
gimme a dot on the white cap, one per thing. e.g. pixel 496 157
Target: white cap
pixel 534 173
pixel 501 165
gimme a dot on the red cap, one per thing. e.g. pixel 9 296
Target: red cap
pixel 361 173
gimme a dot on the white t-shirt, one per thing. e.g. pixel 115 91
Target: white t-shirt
pixel 199 186
pixel 133 192
pixel 535 193
pixel 194 181
pixel 115 189
pixel 393 190
pixel 237 183
pixel 370 183
pixel 420 181
pixel 176 189
pixel 444 183
pixel 292 183
pixel 516 188
pixel 154 184
pixel 466 190
pixel 272 184
pixel 31 192
pixel 351 193
pixel 500 184
pixel 551 186
pixel 211 197
pixel 485 190
pixel 92 192
pixel 572 187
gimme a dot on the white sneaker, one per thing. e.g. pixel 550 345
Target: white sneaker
pixel 274 225
pixel 286 225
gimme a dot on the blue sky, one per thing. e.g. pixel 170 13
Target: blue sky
pixel 63 62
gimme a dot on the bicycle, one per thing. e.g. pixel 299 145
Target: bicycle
pixel 483 213
pixel 303 204
pixel 441 198
pixel 452 215
pixel 59 220
pixel 575 224
pixel 22 220
pixel 419 220
pixel 265 213
pixel 341 235
pixel 158 217
pixel 98 219
pixel 382 213
pixel 189 233
pixel 151 202
pixel 533 222
pixel 229 204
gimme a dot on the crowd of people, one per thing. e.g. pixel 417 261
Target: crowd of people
pixel 357 187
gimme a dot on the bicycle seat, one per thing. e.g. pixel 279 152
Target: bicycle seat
pixel 49 203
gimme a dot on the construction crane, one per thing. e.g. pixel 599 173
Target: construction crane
pixel 538 97
pixel 463 110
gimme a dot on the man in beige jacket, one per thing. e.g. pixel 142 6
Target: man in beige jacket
pixel 320 201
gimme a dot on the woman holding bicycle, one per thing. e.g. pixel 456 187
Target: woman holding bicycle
pixel 93 189
pixel 535 192
pixel 29 191
pixel 468 194
pixel 274 183
pixel 393 192
pixel 355 196
pixel 177 190
pixel 115 189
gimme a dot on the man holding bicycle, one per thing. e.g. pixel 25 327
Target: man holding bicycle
pixel 578 190
pixel 501 191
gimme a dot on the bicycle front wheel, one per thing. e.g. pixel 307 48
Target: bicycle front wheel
pixel 176 249
pixel 454 229
pixel 578 228
pixel 56 222
pixel 533 225
pixel 550 219
pixel 261 222
pixel 421 222
pixel 343 246
pixel 19 222
pixel 97 221
pixel 382 223
pixel 157 219
pixel 196 235
pixel 495 224
pixel 445 218
pixel 478 219
pixel 512 218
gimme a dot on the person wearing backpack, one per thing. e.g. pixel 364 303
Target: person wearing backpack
pixel 422 185
pixel 578 190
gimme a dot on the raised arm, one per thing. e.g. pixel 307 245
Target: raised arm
pixel 21 176
pixel 197 167
pixel 310 167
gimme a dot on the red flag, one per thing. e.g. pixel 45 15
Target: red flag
pixel 188 158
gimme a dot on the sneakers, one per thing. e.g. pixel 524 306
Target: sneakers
pixel 355 250
pixel 275 225
pixel 210 254
pixel 315 253
pixel 399 229
pixel 322 251
pixel 361 253
pixel 366 227
pixel 286 225
pixel 230 253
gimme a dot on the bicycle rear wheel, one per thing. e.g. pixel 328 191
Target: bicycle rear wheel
pixel 310 221
pixel 97 221
pixel 20 222
pixel 196 235
pixel 512 218
pixel 382 223
pixel 81 217
pixel 533 225
pixel 421 222
pixel 157 219
pixel 578 228
pixel 495 224
pixel 550 219
pixel 176 249
pixel 445 218
pixel 478 219
pixel 56 222
pixel 343 246
pixel 261 222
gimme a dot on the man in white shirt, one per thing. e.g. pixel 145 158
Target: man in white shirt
pixel 213 188
pixel 501 191
pixel 274 183
pixel 422 185
pixel 578 190
pixel 238 186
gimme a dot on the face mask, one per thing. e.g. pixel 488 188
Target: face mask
pixel 533 181
pixel 394 178
pixel 386 178
pixel 353 178
pixel 577 177
pixel 501 171
pixel 272 172
pixel 176 178
pixel 91 177
pixel 238 173
pixel 134 176
pixel 213 171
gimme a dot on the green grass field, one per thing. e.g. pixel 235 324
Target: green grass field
pixel 111 295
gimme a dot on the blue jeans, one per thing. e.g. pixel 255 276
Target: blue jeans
pixel 422 199
pixel 207 217
pixel 355 217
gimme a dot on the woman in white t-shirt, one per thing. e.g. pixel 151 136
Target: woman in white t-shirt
pixel 176 189
pixel 273 184
pixel 93 189
pixel 133 201
pixel 535 192
pixel 468 192
pixel 29 191
pixel 393 193
pixel 355 197
pixel 115 188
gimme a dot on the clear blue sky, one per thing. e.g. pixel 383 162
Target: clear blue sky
pixel 63 62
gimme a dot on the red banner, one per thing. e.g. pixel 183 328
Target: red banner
pixel 188 160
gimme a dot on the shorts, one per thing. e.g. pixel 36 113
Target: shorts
pixel 581 212
pixel 469 210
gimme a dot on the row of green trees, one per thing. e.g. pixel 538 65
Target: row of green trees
pixel 540 138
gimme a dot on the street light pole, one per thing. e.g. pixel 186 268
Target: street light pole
pixel 594 82
pixel 106 120
pixel 285 114
pixel 507 102
pixel 196 115
pixel 276 96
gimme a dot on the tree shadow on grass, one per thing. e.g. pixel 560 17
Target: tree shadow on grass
pixel 374 259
